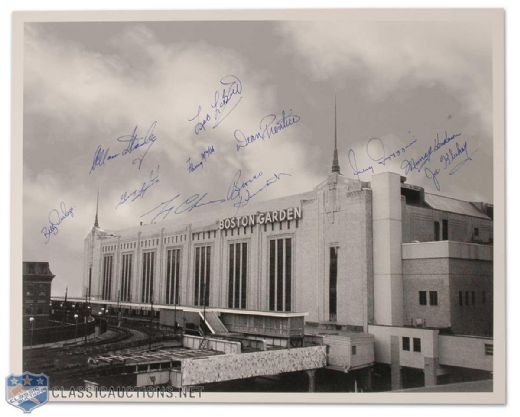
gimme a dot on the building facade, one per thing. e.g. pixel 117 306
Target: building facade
pixel 348 252
pixel 413 269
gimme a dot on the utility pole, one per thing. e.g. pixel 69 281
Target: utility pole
pixel 119 308
pixel 64 311
pixel 204 308
pixel 85 314
pixel 175 311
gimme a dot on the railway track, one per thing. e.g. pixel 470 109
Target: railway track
pixel 67 365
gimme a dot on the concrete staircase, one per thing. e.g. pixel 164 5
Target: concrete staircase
pixel 214 323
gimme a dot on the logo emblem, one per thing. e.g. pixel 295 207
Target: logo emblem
pixel 27 391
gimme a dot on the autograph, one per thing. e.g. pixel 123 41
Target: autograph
pixel 55 218
pixel 225 99
pixel 412 164
pixel 140 191
pixel 132 145
pixel 270 125
pixel 375 150
pixel 204 155
pixel 238 193
pixel 450 156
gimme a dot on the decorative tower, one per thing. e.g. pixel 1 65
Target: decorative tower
pixel 96 222
pixel 335 162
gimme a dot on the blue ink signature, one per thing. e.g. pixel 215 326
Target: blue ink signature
pixel 452 160
pixel 225 99
pixel 204 155
pixel 131 143
pixel 412 164
pixel 55 218
pixel 451 156
pixel 140 191
pixel 375 150
pixel 238 193
pixel 432 175
pixel 270 125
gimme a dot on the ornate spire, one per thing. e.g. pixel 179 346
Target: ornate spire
pixel 335 163
pixel 96 222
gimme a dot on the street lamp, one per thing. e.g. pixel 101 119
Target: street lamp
pixel 76 328
pixel 31 320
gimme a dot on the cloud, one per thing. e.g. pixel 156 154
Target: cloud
pixel 394 57
pixel 77 98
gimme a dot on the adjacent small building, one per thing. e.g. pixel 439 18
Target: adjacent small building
pixel 37 280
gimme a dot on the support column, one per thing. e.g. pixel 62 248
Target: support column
pixel 311 373
pixel 369 373
pixel 395 363
pixel 430 371
pixel 387 239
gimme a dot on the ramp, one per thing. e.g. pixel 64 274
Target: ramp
pixel 213 322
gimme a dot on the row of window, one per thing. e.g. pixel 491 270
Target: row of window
pixel 416 344
pixel 437 231
pixel 195 236
pixel 148 243
pixel 470 298
pixel 433 298
pixel 465 298
pixel 280 275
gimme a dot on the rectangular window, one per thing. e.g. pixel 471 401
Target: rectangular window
pixel 237 273
pixel 354 349
pixel 173 266
pixel 445 230
pixel 202 275
pixel 436 231
pixel 406 343
pixel 466 298
pixel 333 280
pixel 272 269
pixel 422 298
pixel 433 298
pixel 288 274
pixel 475 232
pixel 416 344
pixel 106 291
pixel 89 280
pixel 148 277
pixel 126 277
pixel 280 274
pixel 488 349
pixel 460 298
pixel 472 298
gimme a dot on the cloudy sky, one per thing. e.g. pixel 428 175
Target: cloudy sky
pixel 88 84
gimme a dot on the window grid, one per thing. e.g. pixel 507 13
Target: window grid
pixel 280 274
pixel 107 277
pixel 148 277
pixel 406 343
pixel 237 268
pixel 126 277
pixel 202 275
pixel 173 276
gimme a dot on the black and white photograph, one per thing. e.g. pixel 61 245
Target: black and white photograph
pixel 292 203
